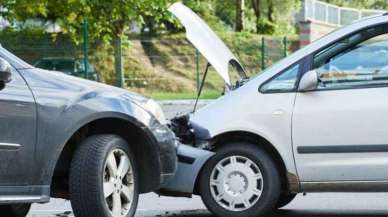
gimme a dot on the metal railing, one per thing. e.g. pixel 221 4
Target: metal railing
pixel 314 10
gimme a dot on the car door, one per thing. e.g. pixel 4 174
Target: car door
pixel 340 130
pixel 17 132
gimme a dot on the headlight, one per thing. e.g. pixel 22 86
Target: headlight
pixel 148 104
pixel 155 109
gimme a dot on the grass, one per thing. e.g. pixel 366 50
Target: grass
pixel 210 94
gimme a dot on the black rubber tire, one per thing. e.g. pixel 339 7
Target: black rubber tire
pixel 86 179
pixel 285 199
pixel 14 210
pixel 271 178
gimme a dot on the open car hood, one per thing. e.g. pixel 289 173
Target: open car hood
pixel 207 42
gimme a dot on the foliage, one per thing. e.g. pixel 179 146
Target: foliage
pixel 208 11
pixel 23 9
pixel 266 27
pixel 107 19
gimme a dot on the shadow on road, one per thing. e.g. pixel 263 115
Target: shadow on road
pixel 293 213
pixel 280 213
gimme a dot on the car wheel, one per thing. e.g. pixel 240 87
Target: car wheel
pixel 104 178
pixel 15 210
pixel 285 199
pixel 240 180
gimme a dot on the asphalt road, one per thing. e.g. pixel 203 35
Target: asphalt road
pixel 311 205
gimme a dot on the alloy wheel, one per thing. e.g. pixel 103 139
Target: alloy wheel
pixel 118 183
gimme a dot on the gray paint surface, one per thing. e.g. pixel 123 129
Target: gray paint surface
pixel 41 110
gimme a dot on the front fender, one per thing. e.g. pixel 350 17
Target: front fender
pixel 65 104
pixel 226 116
pixel 56 141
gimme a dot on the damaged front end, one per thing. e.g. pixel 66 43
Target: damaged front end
pixel 193 153
pixel 196 142
pixel 190 133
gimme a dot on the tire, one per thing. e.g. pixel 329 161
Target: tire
pixel 15 210
pixel 237 181
pixel 285 199
pixel 104 159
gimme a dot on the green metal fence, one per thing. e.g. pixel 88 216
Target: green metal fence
pixel 163 64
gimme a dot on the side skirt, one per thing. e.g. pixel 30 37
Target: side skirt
pixel 24 194
pixel 345 186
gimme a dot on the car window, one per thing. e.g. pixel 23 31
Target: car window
pixel 65 66
pixel 284 82
pixel 43 64
pixel 359 61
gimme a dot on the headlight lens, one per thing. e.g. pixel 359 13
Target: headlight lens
pixel 155 109
pixel 148 104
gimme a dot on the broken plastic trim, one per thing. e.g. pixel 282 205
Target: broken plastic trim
pixel 189 133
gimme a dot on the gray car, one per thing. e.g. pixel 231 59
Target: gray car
pixel 71 138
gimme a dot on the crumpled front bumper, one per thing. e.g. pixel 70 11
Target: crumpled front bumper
pixel 167 144
pixel 191 161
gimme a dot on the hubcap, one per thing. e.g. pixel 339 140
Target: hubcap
pixel 236 183
pixel 118 183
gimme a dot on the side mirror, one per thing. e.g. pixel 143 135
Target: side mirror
pixel 309 81
pixel 5 71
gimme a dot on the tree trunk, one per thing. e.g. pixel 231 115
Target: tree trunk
pixel 256 9
pixel 118 61
pixel 270 11
pixel 240 15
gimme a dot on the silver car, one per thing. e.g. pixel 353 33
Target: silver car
pixel 316 121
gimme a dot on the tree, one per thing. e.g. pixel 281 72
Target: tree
pixel 21 10
pixel 271 11
pixel 108 20
pixel 240 15
pixel 273 16
pixel 257 10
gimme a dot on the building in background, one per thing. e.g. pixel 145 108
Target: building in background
pixel 317 19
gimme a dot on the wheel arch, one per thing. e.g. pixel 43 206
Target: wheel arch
pixel 133 131
pixel 289 181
